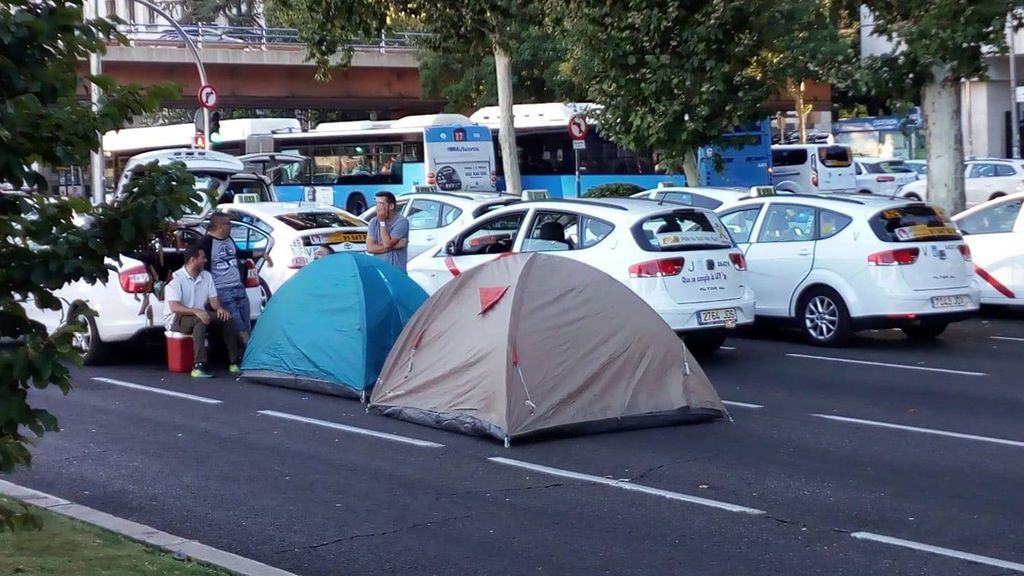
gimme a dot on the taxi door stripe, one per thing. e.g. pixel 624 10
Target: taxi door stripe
pixel 993 282
pixel 449 262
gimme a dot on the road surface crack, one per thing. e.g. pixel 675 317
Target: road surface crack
pixel 374 534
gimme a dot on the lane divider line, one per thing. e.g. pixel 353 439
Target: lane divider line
pixel 352 429
pixel 949 552
pixel 163 391
pixel 886 365
pixel 1008 338
pixel 625 485
pixel 1003 441
pixel 741 404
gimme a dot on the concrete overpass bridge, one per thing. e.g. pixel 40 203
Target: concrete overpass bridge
pixel 267 68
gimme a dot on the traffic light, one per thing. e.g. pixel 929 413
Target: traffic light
pixel 215 137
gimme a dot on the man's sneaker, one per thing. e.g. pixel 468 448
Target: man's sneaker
pixel 234 369
pixel 199 371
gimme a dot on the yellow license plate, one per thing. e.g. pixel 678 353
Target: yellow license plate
pixel 354 238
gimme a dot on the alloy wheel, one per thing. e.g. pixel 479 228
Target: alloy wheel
pixel 821 318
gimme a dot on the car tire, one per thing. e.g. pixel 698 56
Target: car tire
pixel 913 196
pixel 265 294
pixel 356 204
pixel 704 342
pixel 93 349
pixel 997 195
pixel 925 330
pixel 864 192
pixel 823 317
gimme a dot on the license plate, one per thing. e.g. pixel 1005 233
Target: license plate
pixel 354 237
pixel 949 301
pixel 720 316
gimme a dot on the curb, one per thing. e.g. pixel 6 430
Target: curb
pixel 199 552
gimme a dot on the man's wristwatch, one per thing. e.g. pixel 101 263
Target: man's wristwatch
pixel 383 224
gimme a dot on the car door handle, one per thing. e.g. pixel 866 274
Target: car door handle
pixel 804 252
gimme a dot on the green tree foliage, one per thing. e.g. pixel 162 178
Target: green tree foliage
pixel 231 12
pixel 674 76
pixel 465 79
pixel 49 242
pixel 613 190
pixel 957 34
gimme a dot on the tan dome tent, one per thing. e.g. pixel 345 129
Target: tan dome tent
pixel 531 343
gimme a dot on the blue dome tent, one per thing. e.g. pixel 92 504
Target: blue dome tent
pixel 330 327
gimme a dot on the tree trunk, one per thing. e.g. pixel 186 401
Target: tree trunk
pixel 801 112
pixel 944 141
pixel 690 168
pixel 506 131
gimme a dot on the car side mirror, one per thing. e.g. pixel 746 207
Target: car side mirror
pixel 450 248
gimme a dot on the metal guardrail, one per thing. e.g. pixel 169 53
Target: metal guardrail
pixel 249 37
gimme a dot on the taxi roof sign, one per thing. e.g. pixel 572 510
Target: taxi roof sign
pixel 760 191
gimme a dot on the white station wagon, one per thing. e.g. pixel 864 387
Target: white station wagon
pixel 679 259
pixel 840 264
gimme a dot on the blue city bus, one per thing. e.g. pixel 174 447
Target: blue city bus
pixel 349 162
pixel 547 159
pixel 745 155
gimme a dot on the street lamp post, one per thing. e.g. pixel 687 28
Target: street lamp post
pixel 95 67
pixel 1014 113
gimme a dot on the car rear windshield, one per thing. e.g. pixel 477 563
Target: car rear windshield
pixel 680 231
pixel 314 220
pixel 835 156
pixel 891 167
pixel 789 156
pixel 915 223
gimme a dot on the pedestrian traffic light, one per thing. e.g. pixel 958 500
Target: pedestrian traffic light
pixel 215 137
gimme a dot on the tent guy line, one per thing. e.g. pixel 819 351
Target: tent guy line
pixel 352 429
pixel 626 485
pixel 134 386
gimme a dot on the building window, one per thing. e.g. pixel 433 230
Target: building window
pixel 111 8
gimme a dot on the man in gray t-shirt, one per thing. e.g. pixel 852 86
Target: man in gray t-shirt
pixel 387 236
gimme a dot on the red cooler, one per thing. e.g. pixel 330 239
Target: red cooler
pixel 180 352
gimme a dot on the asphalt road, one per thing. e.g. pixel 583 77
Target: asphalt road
pixel 825 460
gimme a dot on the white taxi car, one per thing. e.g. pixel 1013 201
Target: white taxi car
pixel 680 260
pixel 710 198
pixel 984 179
pixel 434 216
pixel 884 177
pixel 995 232
pixel 298 231
pixel 840 264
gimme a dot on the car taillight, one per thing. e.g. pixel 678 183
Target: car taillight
pixel 885 179
pixel 656 268
pixel 136 280
pixel 252 276
pixel 431 179
pixel 900 257
pixel 814 177
pixel 738 260
pixel 965 251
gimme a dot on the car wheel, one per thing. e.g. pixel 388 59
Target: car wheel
pixel 925 330
pixel 997 195
pixel 356 204
pixel 864 192
pixel 824 319
pixel 913 196
pixel 88 342
pixel 265 294
pixel 704 342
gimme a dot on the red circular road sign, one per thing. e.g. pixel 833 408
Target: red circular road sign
pixel 578 127
pixel 207 96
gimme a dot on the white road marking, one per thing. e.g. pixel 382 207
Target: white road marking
pixel 887 365
pixel 1009 338
pixel 741 404
pixel 625 485
pixel 728 348
pixel 939 550
pixel 946 433
pixel 134 386
pixel 352 429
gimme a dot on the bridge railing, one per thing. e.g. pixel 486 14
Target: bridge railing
pixel 249 37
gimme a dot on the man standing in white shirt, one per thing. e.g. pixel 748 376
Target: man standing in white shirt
pixel 188 298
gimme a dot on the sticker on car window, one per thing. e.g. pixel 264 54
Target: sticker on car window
pixel 681 238
pixel 920 231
